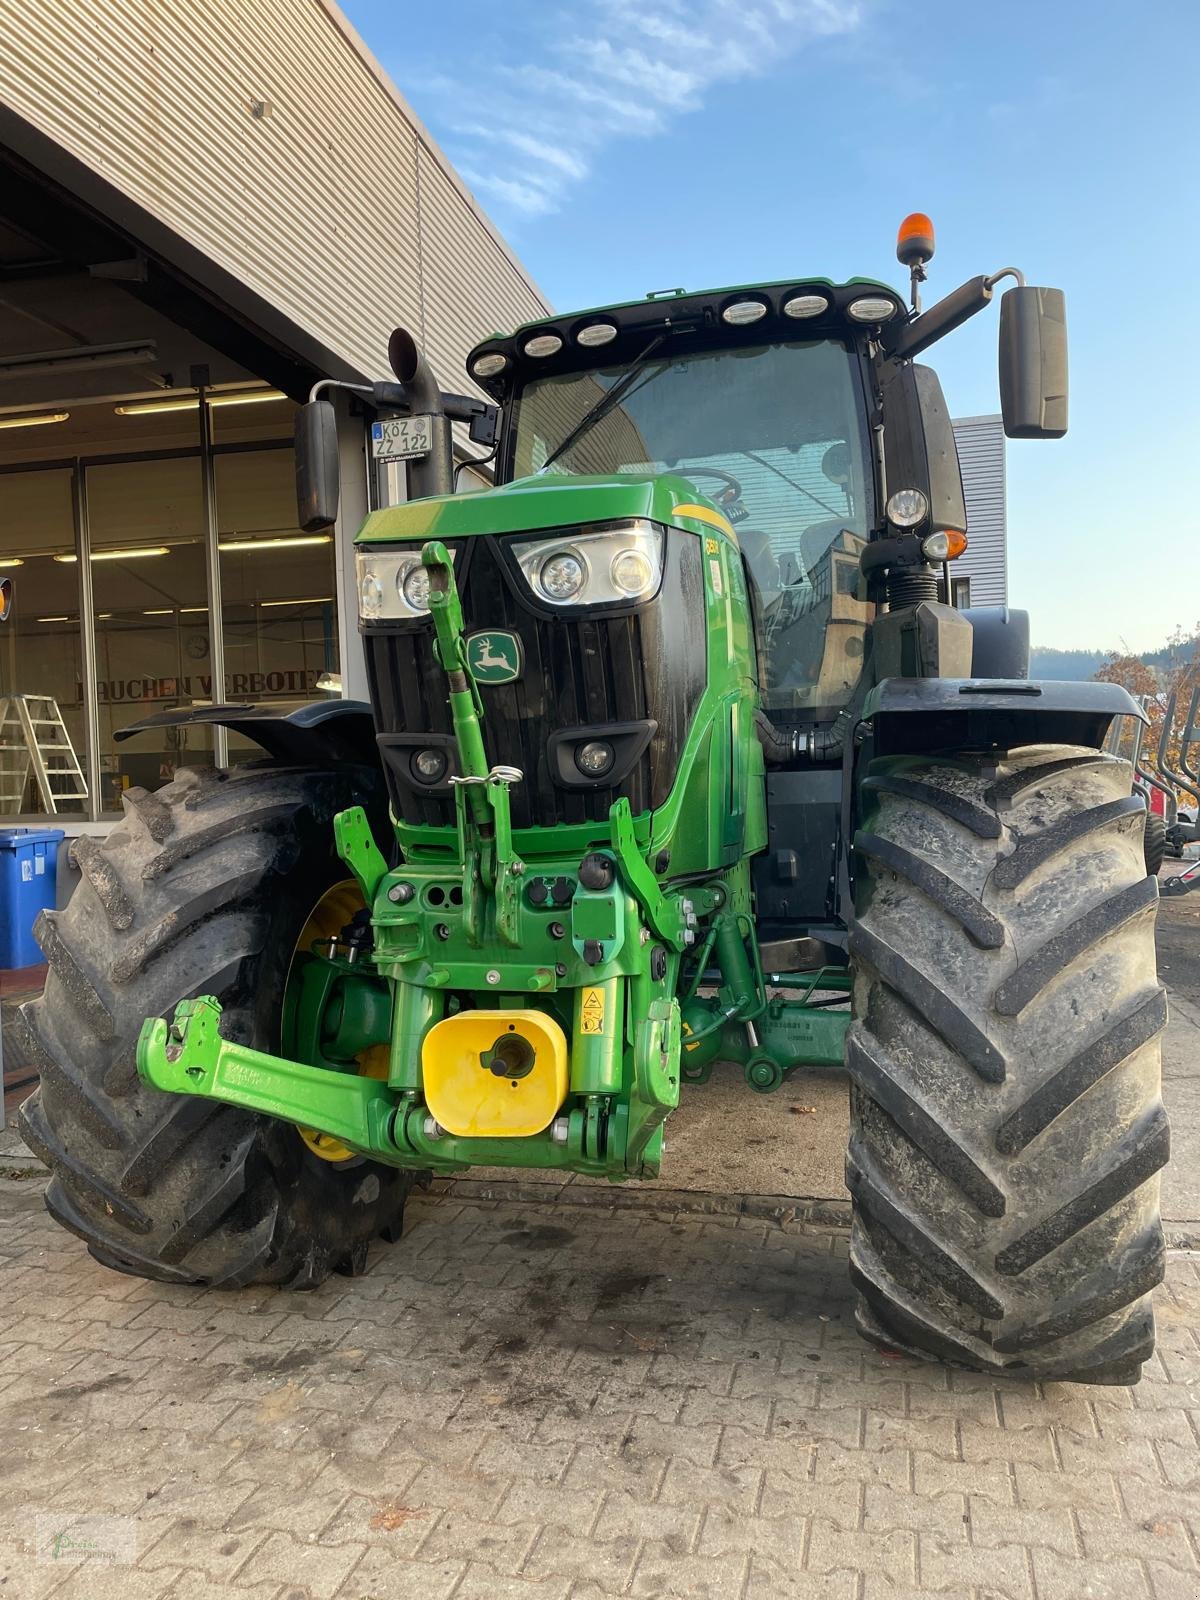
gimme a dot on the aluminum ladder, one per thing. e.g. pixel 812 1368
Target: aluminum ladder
pixel 33 736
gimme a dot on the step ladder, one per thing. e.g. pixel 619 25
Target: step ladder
pixel 34 737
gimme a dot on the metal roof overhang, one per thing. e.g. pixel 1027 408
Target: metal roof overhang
pixel 87 220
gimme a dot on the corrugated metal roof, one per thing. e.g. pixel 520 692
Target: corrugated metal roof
pixel 265 135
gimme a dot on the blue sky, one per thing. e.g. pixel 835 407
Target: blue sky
pixel 629 145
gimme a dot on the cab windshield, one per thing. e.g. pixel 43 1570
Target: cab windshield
pixel 775 436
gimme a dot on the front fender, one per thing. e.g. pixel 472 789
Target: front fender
pixel 323 733
pixel 910 715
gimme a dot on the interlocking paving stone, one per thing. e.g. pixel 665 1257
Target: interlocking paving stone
pixel 519 1403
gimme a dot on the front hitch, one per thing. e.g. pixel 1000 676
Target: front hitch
pixel 189 1056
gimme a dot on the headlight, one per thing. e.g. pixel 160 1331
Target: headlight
pixel 906 508
pixel 392 584
pixel 562 575
pixel 414 587
pixel 603 566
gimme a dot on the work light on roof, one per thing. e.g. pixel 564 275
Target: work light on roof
pixel 596 334
pixel 542 345
pixel 871 308
pixel 489 364
pixel 741 313
pixel 805 305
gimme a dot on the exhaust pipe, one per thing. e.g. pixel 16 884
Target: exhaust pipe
pixel 434 473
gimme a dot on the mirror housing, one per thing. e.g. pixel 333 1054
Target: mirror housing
pixel 1033 363
pixel 317 466
pixel 919 445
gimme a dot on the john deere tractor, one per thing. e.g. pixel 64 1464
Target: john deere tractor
pixel 676 761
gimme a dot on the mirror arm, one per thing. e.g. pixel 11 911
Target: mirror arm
pixel 1006 272
pixel 948 314
pixel 483 418
pixel 333 383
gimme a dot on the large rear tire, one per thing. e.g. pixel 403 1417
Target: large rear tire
pixel 1007 1122
pixel 202 889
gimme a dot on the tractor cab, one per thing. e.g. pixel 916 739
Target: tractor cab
pixel 758 397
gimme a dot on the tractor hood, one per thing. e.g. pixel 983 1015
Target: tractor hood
pixel 546 502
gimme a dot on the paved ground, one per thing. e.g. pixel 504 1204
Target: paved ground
pixel 568 1401
pixel 521 1403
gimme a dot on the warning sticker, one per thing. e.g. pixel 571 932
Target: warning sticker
pixel 718 583
pixel 591 1012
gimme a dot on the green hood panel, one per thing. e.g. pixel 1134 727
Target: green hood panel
pixel 546 502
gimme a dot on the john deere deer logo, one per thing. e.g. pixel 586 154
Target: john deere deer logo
pixel 494 657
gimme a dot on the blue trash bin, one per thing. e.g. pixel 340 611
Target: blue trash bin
pixel 28 869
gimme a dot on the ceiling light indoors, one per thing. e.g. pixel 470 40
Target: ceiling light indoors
pixel 13 561
pixel 274 544
pixel 313 600
pixel 189 402
pixel 38 421
pixel 79 358
pixel 121 555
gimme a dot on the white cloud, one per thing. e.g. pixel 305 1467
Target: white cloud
pixel 562 85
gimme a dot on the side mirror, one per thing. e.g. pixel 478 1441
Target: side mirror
pixel 6 595
pixel 1033 363
pixel 317 466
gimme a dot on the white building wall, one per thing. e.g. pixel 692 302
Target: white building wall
pixel 980 443
pixel 266 135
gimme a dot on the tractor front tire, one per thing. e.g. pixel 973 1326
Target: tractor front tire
pixel 203 888
pixel 1007 1121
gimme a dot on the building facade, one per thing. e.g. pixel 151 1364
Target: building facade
pixel 980 575
pixel 203 211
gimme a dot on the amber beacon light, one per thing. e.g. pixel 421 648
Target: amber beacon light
pixel 914 249
pixel 914 241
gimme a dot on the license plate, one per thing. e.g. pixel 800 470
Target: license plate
pixel 401 438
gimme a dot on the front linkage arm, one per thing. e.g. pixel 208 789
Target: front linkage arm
pixel 189 1056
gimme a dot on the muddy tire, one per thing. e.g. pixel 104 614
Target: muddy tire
pixel 202 889
pixel 1007 1123
pixel 1154 844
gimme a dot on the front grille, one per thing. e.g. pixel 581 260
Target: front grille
pixel 578 671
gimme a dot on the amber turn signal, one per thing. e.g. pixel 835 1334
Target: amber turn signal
pixel 914 241
pixel 945 545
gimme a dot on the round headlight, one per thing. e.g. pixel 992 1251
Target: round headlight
pixel 741 313
pixel 594 758
pixel 871 308
pixel 488 365
pixel 429 765
pixel 906 508
pixel 595 334
pixel 805 305
pixel 562 575
pixel 631 572
pixel 370 595
pixel 543 344
pixel 413 583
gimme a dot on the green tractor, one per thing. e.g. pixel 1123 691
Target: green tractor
pixel 675 756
